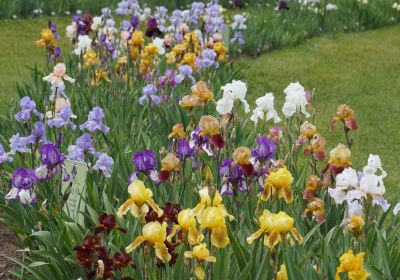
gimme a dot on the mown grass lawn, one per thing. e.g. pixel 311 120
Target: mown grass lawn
pixel 359 69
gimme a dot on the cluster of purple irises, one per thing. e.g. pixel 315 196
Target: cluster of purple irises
pixel 234 177
pixel 51 159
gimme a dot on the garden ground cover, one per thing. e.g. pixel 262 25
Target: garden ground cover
pixel 359 69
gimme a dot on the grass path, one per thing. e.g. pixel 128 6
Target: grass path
pixel 360 69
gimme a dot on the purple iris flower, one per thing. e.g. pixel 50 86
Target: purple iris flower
pixel 104 164
pixel 95 121
pixel 4 157
pixel 283 5
pixel 145 161
pixel 28 106
pixel 22 183
pixel 265 149
pixel 152 28
pixel 232 176
pixel 23 178
pixel 20 144
pixel 185 71
pixel 63 118
pixel 184 150
pixel 149 95
pixel 53 29
pixel 50 155
pixel 134 22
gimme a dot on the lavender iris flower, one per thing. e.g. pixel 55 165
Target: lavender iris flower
pixel 63 118
pixel 4 156
pixel 238 38
pixel 20 144
pixel 104 164
pixel 22 183
pixel 185 71
pixel 39 131
pixel 208 58
pixel 149 95
pixel 95 121
pixel 28 107
pixel 265 149
pixel 106 12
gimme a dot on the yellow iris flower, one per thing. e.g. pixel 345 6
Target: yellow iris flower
pixel 353 265
pixel 278 185
pixel 200 253
pixel 211 214
pixel 187 223
pixel 277 228
pixel 139 201
pixel 154 234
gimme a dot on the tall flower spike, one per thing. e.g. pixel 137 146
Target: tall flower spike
pixel 139 201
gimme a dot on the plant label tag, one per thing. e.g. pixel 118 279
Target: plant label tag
pixel 74 190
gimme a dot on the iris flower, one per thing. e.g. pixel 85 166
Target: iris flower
pixel 278 185
pixel 353 265
pixel 277 228
pixel 201 254
pixel 59 74
pixel 187 224
pixel 154 234
pixel 211 214
pixel 139 201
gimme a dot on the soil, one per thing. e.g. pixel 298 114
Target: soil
pixel 7 248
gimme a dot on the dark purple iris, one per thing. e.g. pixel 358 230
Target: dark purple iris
pixel 23 178
pixel 152 24
pixel 283 5
pixel 238 4
pixel 134 22
pixel 184 150
pixel 50 155
pixel 265 149
pixel 152 28
pixel 145 161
